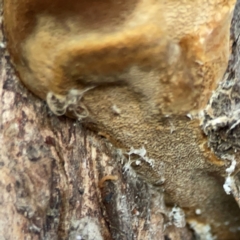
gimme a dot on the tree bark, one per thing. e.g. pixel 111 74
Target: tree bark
pixel 62 181
pixel 52 176
pixel 223 107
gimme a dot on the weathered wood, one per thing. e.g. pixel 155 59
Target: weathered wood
pixel 222 113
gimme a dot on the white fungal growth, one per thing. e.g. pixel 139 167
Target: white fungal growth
pixel 227 186
pixel 198 211
pixel 138 162
pixel 232 167
pixel 59 104
pixel 203 231
pixel 116 109
pixel 216 123
pixel 229 181
pixel 2 45
pixel 177 217
pixel 141 152
pixel 189 115
pixel 85 228
pixel 219 122
pixel 128 168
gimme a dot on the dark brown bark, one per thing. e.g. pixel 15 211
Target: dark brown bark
pixel 222 112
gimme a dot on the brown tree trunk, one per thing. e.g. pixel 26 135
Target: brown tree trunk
pixel 61 181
